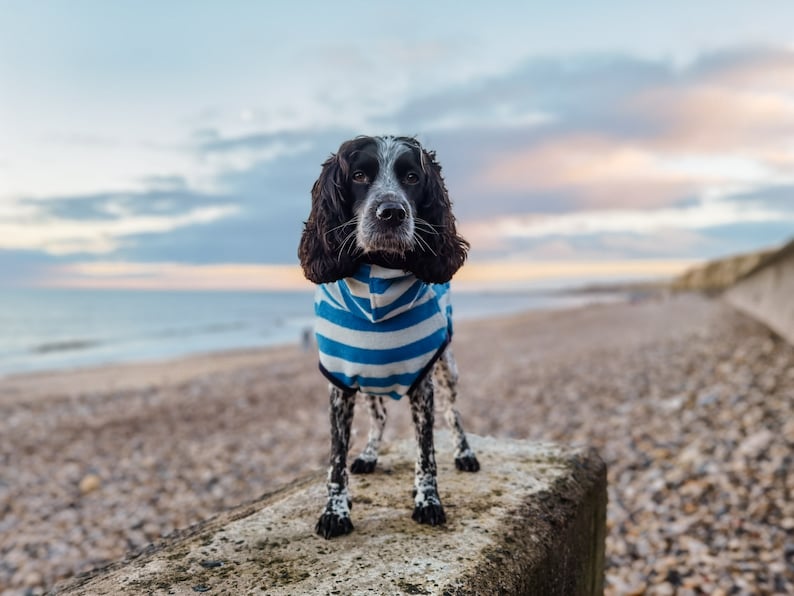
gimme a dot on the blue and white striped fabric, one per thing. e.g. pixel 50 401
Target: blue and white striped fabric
pixel 381 330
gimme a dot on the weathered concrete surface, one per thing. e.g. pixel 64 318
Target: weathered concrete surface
pixel 767 292
pixel 532 521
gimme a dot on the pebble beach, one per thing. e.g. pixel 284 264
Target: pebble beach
pixel 690 403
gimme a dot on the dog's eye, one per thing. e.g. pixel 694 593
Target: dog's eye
pixel 411 178
pixel 359 176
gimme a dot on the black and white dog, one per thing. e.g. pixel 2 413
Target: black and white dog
pixel 381 242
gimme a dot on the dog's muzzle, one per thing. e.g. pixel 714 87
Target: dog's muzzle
pixel 387 225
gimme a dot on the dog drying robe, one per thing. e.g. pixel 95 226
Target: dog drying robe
pixel 381 330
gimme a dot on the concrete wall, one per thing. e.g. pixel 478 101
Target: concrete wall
pixel 767 292
pixel 532 521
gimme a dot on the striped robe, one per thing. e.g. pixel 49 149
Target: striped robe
pixel 381 330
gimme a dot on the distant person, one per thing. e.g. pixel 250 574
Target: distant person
pixel 306 339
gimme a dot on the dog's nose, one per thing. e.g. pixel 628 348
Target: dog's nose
pixel 391 213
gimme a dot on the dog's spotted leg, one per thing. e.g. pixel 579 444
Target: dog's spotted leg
pixel 445 379
pixel 365 463
pixel 335 520
pixel 428 509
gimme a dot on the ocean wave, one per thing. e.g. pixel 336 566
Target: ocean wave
pixel 68 345
pixel 74 345
pixel 200 330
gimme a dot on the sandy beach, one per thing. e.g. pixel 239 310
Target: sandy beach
pixel 690 403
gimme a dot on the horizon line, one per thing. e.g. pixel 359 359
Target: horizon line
pixel 473 276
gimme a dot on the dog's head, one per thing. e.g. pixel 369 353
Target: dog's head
pixel 381 200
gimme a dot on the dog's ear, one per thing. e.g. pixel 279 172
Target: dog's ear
pixel 444 251
pixel 321 250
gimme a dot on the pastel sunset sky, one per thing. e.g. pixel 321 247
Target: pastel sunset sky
pixel 173 144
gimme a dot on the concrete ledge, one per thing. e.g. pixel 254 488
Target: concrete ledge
pixel 765 293
pixel 532 521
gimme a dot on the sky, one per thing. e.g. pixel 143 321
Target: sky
pixel 174 144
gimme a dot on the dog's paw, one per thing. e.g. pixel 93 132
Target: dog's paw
pixel 430 513
pixel 363 466
pixel 467 462
pixel 332 524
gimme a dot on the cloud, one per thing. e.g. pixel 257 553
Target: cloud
pixel 581 132
pixel 693 227
pixel 511 274
pixel 707 118
pixel 702 214
pixel 663 243
pixel 746 68
pixel 175 276
pixel 96 225
pixel 602 156
pixel 616 131
pixel 238 153
pixel 255 216
pixel 81 139
pixel 779 197
pixel 595 171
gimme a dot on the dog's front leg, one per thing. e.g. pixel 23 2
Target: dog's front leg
pixel 428 509
pixel 335 520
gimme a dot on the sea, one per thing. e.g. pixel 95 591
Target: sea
pixel 55 329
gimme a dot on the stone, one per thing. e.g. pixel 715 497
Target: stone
pixel 89 483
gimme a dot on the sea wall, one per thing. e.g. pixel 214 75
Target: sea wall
pixel 766 292
pixel 532 521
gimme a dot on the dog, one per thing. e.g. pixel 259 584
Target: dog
pixel 381 243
